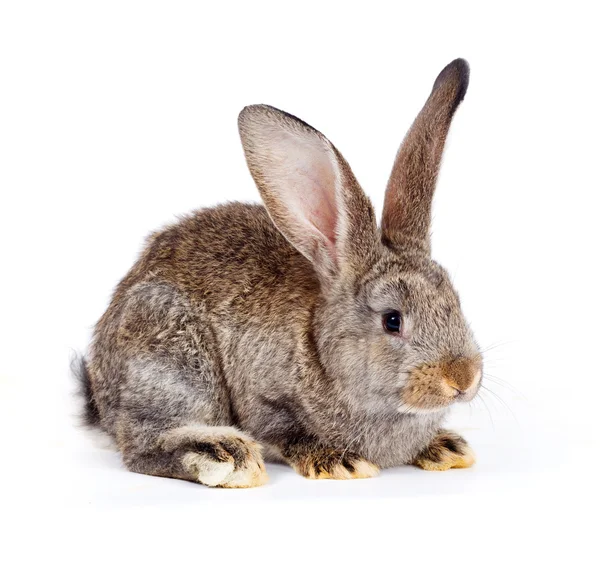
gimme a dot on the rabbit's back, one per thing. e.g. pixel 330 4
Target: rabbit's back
pixel 219 255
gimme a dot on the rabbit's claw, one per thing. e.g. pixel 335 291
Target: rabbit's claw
pixel 323 464
pixel 447 450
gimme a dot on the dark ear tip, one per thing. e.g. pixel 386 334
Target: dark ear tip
pixel 456 76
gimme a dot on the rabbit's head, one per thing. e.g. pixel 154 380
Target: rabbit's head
pixel 388 326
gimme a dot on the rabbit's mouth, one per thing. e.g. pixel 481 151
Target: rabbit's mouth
pixel 434 386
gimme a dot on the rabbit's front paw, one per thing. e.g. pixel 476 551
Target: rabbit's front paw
pixel 323 464
pixel 447 450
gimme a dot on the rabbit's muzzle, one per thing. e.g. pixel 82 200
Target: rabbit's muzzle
pixel 434 386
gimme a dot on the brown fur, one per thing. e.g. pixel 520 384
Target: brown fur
pixel 410 189
pixel 245 324
pixel 432 385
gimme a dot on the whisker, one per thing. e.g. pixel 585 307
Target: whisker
pixel 488 410
pixel 496 345
pixel 503 383
pixel 503 403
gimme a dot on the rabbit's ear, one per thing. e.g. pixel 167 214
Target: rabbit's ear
pixel 407 208
pixel 308 189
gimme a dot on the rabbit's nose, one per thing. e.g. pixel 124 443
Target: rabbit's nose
pixel 463 375
pixel 462 391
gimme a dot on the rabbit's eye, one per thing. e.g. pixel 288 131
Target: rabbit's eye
pixel 392 321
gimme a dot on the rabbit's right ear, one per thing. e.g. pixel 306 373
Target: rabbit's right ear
pixel 308 189
pixel 407 208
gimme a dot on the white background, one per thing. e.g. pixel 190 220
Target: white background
pixel 115 117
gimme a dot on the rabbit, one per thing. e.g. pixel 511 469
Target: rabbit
pixel 299 331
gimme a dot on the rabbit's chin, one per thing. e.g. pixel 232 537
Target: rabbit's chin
pixel 427 405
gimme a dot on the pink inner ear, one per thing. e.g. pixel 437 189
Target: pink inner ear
pixel 301 171
pixel 317 198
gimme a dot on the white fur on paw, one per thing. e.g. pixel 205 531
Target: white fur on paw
pixel 214 473
pixel 207 470
pixel 364 469
pixel 249 477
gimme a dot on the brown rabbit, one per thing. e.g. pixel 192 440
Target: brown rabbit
pixel 298 331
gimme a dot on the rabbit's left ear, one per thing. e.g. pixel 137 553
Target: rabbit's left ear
pixel 308 189
pixel 407 207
